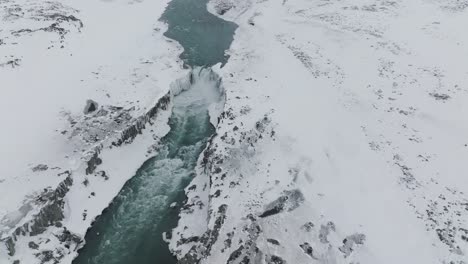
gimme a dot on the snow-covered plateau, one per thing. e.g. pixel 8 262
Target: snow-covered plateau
pixel 79 82
pixel 343 138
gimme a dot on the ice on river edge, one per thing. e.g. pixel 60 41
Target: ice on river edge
pixel 204 77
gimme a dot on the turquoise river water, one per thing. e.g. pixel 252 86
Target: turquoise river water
pixel 130 230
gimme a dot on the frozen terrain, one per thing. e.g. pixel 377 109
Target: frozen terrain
pixel 343 139
pixel 80 80
pixel 132 228
pixel 344 136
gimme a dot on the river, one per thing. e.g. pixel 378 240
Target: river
pixel 131 229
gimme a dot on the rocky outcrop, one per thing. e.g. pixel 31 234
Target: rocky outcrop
pixel 215 164
pixel 221 7
pixel 31 18
pixel 139 124
pixel 350 243
pixel 289 201
pixel 94 161
pixel 209 238
pixel 52 202
pixel 90 107
pixel 40 167
pixel 51 214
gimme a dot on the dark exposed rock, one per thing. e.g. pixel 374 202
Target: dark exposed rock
pixel 217 193
pixel 262 124
pixel 207 161
pixel 207 240
pixel 90 107
pixel 54 12
pixel 191 257
pixel 68 238
pixel 275 260
pixel 350 241
pixel 94 161
pixel 67 173
pixel 10 245
pixel 101 112
pixel 55 27
pixel 228 241
pixel 33 245
pixel 214 233
pixel 53 211
pixel 20 31
pixel 221 7
pixel 248 251
pixel 167 235
pixel 60 18
pixel 223 176
pixel 273 241
pixel 245 260
pixel 439 96
pixel 103 174
pixel 287 202
pixel 308 249
pixel 308 226
pixel 46 256
pixel 139 124
pixel 40 167
pixel 188 240
pixel 49 215
pixel 278 208
pixel 235 254
pixel 12 63
pixel 408 178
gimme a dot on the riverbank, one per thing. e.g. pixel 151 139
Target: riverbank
pixel 343 138
pixel 132 228
pixel 113 53
pixel 334 146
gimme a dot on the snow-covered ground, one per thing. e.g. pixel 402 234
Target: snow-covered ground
pixel 344 137
pixel 54 57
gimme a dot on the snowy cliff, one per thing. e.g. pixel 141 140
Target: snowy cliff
pixel 343 138
pixel 80 81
